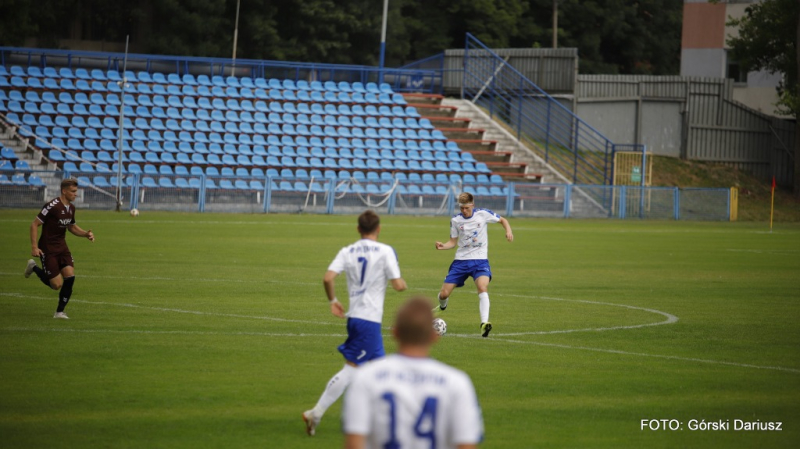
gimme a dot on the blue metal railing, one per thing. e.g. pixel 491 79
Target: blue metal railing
pixel 516 199
pixel 400 79
pixel 569 144
pixel 435 63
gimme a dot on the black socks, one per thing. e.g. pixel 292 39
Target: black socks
pixel 65 293
pixel 42 275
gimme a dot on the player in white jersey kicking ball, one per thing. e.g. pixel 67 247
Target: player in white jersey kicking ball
pixel 409 400
pixel 468 232
pixel 368 265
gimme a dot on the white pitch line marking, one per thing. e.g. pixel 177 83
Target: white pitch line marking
pixel 644 354
pixel 162 332
pixel 765 251
pixel 670 319
pixel 165 309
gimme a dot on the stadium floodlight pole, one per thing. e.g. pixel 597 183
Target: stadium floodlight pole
pixel 235 38
pixel 121 122
pixel 555 23
pixel 383 41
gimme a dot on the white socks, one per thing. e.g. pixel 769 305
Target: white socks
pixel 442 302
pixel 483 306
pixel 334 390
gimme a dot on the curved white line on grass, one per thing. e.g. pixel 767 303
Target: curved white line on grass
pixel 670 318
pixel 639 354
pixel 155 332
pixel 302 335
pixel 191 312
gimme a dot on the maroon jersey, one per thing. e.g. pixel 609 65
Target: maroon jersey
pixel 56 217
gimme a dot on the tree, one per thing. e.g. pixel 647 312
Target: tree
pixel 768 40
pixel 612 36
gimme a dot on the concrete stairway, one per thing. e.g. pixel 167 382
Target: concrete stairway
pixel 43 168
pixel 505 142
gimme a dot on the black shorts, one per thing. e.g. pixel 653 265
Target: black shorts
pixel 52 264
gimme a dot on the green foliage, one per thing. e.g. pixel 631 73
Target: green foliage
pixel 613 36
pixel 617 36
pixel 16 23
pixel 767 40
pixel 191 27
pixel 212 331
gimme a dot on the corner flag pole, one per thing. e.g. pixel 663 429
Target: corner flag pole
pixel 772 204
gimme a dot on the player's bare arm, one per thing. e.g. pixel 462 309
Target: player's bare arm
pixel 329 282
pixel 78 232
pixel 449 245
pixel 353 441
pixel 35 251
pixel 507 227
pixel 399 284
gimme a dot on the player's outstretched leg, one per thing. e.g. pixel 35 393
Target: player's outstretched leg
pixel 333 391
pixel 311 422
pixel 29 268
pixel 442 304
pixel 33 268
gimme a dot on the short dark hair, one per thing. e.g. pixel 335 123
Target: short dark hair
pixel 69 182
pixel 368 222
pixel 414 322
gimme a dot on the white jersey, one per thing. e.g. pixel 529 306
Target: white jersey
pixel 369 266
pixel 473 240
pixel 413 403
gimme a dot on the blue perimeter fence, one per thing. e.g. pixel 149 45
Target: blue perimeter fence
pixel 401 80
pixel 351 196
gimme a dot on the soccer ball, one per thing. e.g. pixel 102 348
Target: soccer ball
pixel 440 326
pixel 134 212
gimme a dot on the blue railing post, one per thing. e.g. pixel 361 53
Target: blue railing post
pixel 729 205
pixel 623 202
pixel 547 134
pixel 567 199
pixel 575 153
pixel 202 194
pixel 519 112
pixel 267 194
pixel 510 198
pixel 676 204
pixel 391 202
pixel 134 189
pixel 331 196
pixel 451 200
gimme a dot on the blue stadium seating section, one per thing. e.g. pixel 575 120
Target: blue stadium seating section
pixel 179 127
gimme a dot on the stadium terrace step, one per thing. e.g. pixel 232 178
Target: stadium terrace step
pixel 475 144
pixel 520 177
pixel 491 156
pixel 451 122
pixel 434 110
pixel 433 99
pixel 508 168
pixel 463 133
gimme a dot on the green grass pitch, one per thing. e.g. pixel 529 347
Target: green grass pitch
pixel 212 331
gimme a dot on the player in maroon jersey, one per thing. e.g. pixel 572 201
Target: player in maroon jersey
pixel 58 271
